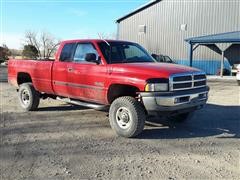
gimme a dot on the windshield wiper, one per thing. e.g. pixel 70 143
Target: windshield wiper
pixel 124 60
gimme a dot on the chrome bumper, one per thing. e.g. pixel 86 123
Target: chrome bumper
pixel 174 101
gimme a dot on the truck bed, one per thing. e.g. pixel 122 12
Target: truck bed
pixel 39 70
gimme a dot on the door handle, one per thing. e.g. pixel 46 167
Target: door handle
pixel 70 69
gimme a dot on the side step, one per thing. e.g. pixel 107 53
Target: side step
pixel 81 103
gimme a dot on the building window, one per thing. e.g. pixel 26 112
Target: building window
pixel 142 29
pixel 183 27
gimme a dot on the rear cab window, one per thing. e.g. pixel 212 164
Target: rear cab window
pixel 67 52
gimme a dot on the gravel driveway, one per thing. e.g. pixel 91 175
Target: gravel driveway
pixel 61 141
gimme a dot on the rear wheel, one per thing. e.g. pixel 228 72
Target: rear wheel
pixel 181 117
pixel 127 116
pixel 28 97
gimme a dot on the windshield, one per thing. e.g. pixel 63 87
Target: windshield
pixel 124 52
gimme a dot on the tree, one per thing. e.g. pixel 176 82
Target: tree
pixel 4 53
pixel 45 43
pixel 15 52
pixel 30 51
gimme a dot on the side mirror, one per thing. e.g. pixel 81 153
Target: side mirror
pixel 91 57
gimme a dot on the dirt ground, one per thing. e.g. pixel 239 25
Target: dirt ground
pixel 61 141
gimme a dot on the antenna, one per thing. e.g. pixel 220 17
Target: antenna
pixel 110 48
pixel 103 39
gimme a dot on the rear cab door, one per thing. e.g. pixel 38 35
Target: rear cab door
pixel 61 68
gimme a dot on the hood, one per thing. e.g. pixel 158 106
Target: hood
pixel 151 70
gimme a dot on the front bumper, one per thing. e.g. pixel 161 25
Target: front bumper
pixel 174 102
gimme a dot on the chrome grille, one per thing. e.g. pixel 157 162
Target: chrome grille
pixel 187 81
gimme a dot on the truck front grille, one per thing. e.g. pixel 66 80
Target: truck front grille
pixel 187 81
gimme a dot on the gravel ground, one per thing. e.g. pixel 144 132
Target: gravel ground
pixel 61 141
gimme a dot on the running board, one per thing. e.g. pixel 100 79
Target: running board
pixel 81 103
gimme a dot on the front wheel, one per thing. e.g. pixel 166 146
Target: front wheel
pixel 127 116
pixel 28 97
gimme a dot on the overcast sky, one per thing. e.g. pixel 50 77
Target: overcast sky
pixel 65 19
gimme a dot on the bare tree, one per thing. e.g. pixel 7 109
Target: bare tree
pixel 45 43
pixel 15 52
pixel 31 39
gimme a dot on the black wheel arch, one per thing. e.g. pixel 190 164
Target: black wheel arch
pixel 117 90
pixel 23 77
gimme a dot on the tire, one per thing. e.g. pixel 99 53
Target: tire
pixel 181 117
pixel 28 97
pixel 238 82
pixel 127 116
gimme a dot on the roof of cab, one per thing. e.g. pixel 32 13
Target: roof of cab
pixel 91 40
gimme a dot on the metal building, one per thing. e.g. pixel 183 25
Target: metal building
pixel 161 26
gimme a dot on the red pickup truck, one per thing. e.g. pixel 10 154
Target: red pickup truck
pixel 116 74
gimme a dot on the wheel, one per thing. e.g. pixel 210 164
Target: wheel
pixel 28 97
pixel 181 117
pixel 127 116
pixel 238 82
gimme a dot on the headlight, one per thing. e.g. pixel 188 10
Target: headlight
pixel 156 87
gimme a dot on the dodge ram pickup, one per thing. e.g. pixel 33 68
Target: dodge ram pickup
pixel 118 75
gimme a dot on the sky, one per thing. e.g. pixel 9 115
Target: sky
pixel 65 19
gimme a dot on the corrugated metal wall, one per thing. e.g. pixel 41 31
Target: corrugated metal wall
pixel 163 25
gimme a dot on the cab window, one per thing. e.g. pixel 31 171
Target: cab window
pixel 67 51
pixel 82 49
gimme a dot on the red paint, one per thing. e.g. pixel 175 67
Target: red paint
pixel 88 81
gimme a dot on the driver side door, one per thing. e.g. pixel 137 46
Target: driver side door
pixel 87 78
